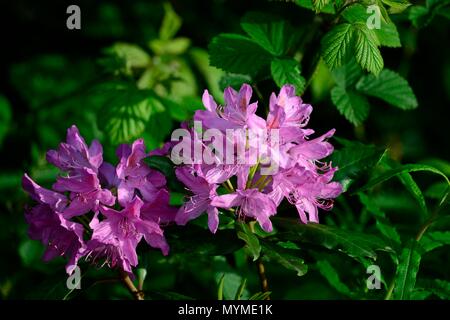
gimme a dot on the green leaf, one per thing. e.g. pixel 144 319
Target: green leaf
pixel 437 190
pixel 252 245
pixel 354 244
pixel 318 5
pixel 387 34
pixel 382 223
pixel 171 23
pixel 336 45
pixel 238 54
pixel 234 80
pixel 129 57
pixel 441 288
pixel 366 49
pixel 434 239
pixel 347 75
pixel 397 6
pixel 402 169
pixel 220 287
pixel 407 269
pixel 332 276
pixel 170 47
pixel 410 185
pixel 353 106
pixel 240 290
pixel 269 31
pixel 285 257
pixel 354 159
pixel 308 4
pixel 287 71
pixel 390 87
pixel 127 113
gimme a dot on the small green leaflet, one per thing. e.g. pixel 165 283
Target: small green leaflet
pixel 252 245
pixel 366 49
pixel 286 70
pixel 390 87
pixel 435 239
pixel 336 45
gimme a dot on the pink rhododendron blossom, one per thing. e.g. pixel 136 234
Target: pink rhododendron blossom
pixel 271 160
pixel 81 215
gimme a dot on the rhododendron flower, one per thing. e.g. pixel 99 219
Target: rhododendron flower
pixel 200 202
pixel 75 154
pixel 281 161
pixel 80 217
pixel 61 236
pixel 115 238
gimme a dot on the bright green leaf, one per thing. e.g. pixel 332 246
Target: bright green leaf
pixel 390 87
pixel 238 54
pixel 287 71
pixel 336 45
pixel 405 278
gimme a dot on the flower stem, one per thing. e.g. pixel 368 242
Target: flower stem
pixel 262 276
pixel 137 295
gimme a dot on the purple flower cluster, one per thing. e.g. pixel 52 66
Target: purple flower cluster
pixel 96 210
pixel 301 177
pixel 102 212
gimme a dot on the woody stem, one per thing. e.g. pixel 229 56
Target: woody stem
pixel 137 295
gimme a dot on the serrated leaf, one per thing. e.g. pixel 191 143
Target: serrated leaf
pixel 287 71
pixel 407 269
pixel 387 34
pixel 269 31
pixel 318 5
pixel 332 276
pixel 238 54
pixel 353 106
pixel 285 257
pixel 127 113
pixel 354 244
pixel 252 245
pixel 354 159
pixel 390 87
pixel 366 49
pixel 336 45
